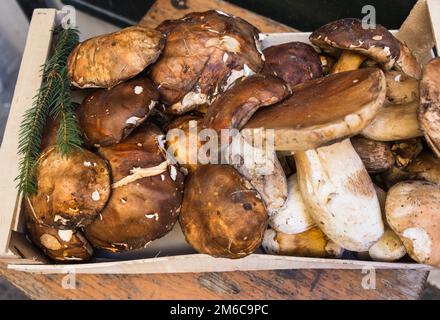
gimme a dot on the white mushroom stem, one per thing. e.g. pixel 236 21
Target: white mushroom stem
pixel 139 173
pixel 340 196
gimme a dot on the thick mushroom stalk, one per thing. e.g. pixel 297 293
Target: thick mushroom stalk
pixel 311 243
pixel 348 61
pixel 292 217
pixel 429 111
pixel 340 195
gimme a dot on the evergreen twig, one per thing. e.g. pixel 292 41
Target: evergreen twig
pixel 53 98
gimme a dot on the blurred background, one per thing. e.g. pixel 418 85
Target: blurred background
pixel 101 16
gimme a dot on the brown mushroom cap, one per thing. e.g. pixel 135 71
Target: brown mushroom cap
pixel 60 245
pixel 375 155
pixel 407 63
pixel 204 53
pixel 71 190
pixel 222 215
pixel 413 212
pixel 401 88
pixel 234 108
pixel 294 62
pixel 348 34
pixel 324 110
pixel 107 60
pixel 429 110
pixel 425 166
pixel 108 116
pixel 141 209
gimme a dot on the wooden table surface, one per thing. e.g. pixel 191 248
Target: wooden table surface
pixel 286 284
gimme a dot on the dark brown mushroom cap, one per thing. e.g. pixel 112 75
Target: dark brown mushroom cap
pixel 141 210
pixel 107 60
pixel 234 107
pixel 348 34
pixel 294 62
pixel 375 155
pixel 71 190
pixel 222 215
pixel 323 110
pixel 107 116
pixel 429 110
pixel 202 50
pixel 68 246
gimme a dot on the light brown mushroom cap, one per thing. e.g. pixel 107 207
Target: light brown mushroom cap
pixel 222 215
pixel 107 60
pixel 71 190
pixel 349 34
pixel 394 122
pixel 413 212
pixel 429 111
pixel 324 110
pixel 401 89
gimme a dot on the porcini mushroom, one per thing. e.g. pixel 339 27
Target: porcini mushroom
pixel 108 116
pixel 67 246
pixel 401 89
pixel 429 111
pixel 389 247
pixel 405 151
pixel 294 62
pixel 222 214
pixel 424 167
pixel 413 212
pixel 146 194
pixel 376 155
pixel 314 115
pixel 292 217
pixel 394 122
pixel 357 43
pixel 311 243
pixel 71 190
pixel 205 53
pixel 339 195
pixel 107 60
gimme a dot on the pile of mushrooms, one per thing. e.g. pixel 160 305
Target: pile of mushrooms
pixel 353 165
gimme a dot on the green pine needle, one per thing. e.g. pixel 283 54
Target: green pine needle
pixel 53 99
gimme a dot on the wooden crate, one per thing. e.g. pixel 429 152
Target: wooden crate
pixel 21 255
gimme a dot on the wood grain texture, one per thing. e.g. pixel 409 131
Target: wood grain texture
pixel 287 284
pixel 164 9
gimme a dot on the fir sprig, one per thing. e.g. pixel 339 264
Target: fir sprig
pixel 53 98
